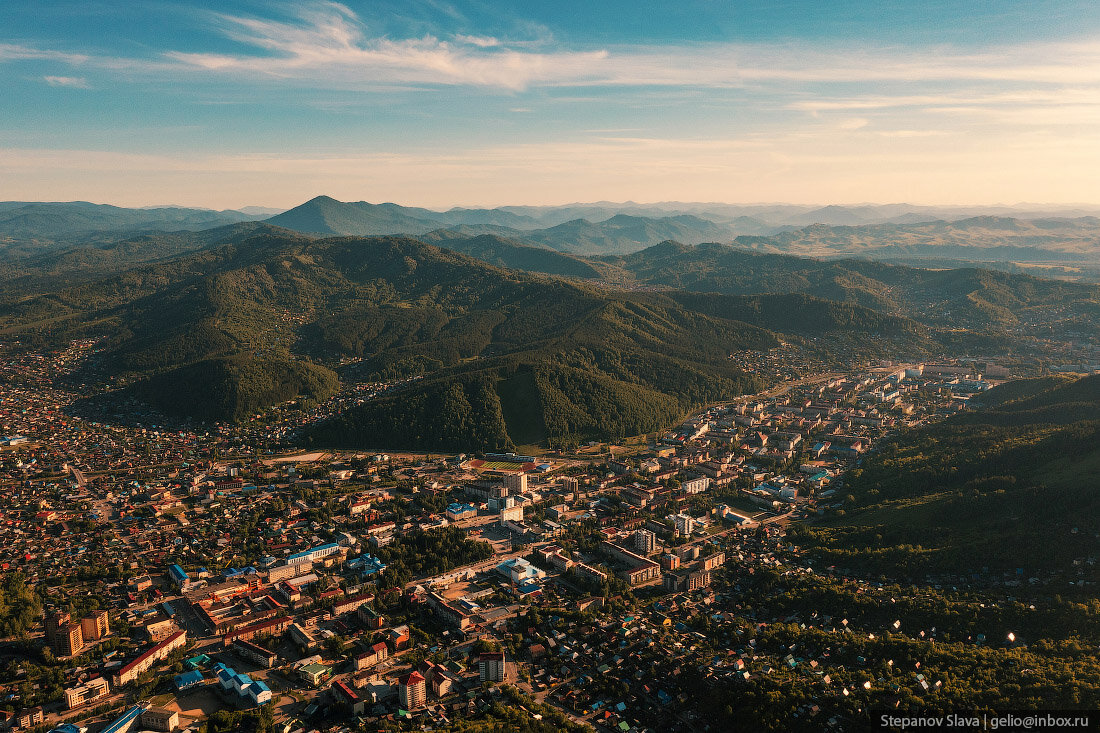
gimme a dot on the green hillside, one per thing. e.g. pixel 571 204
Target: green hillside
pixel 243 322
pixel 246 320
pixel 1012 485
pixel 503 252
pixel 967 298
pixel 232 388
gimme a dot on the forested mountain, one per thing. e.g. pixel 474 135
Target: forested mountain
pixel 1011 484
pixel 891 231
pixel 49 221
pixel 504 252
pixel 618 233
pixel 555 348
pixel 28 269
pixel 966 298
pixel 881 231
pixel 623 234
pixel 525 357
pixel 326 216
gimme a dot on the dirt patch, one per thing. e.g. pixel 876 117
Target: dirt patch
pixel 197 704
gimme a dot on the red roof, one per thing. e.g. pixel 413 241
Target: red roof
pixel 170 640
pixel 348 693
pixel 412 678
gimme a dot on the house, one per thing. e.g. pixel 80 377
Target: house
pixel 348 697
pixel 155 718
pixel 136 668
pixel 398 638
pixel 88 692
pixel 519 570
pixel 254 653
pixel 232 682
pixel 314 673
pixel 457 511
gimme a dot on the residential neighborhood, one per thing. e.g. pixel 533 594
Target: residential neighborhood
pixel 190 573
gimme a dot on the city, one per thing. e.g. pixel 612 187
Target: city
pixel 186 575
pixel 474 366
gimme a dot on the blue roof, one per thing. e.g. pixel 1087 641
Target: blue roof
pixel 124 722
pixel 259 686
pixel 177 572
pixel 187 679
pixel 311 550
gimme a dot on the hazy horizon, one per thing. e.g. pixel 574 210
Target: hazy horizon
pixel 439 104
pixel 1020 206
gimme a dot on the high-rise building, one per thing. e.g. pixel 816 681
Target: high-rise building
pixel 94 626
pixel 491 666
pixel 411 690
pixel 516 483
pixel 645 541
pixel 69 640
pixel 54 622
pixel 64 635
pixel 685 525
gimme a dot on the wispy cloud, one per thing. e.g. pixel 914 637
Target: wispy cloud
pixel 479 41
pixel 325 44
pixel 1015 98
pixel 76 82
pixel 17 52
pixel 327 40
pixel 853 123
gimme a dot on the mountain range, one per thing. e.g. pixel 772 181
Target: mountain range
pixel 22 220
pixel 1053 239
pixel 508 339
pixel 251 321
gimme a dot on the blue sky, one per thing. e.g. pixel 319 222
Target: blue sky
pixel 439 103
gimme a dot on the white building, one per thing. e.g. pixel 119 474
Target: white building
pixel 685 525
pixel 696 485
pixel 516 483
pixel 491 667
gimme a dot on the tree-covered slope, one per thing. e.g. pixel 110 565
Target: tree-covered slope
pixel 504 252
pixel 1012 485
pixel 244 318
pixel 969 298
pixel 248 320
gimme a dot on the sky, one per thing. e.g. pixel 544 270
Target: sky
pixel 226 104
